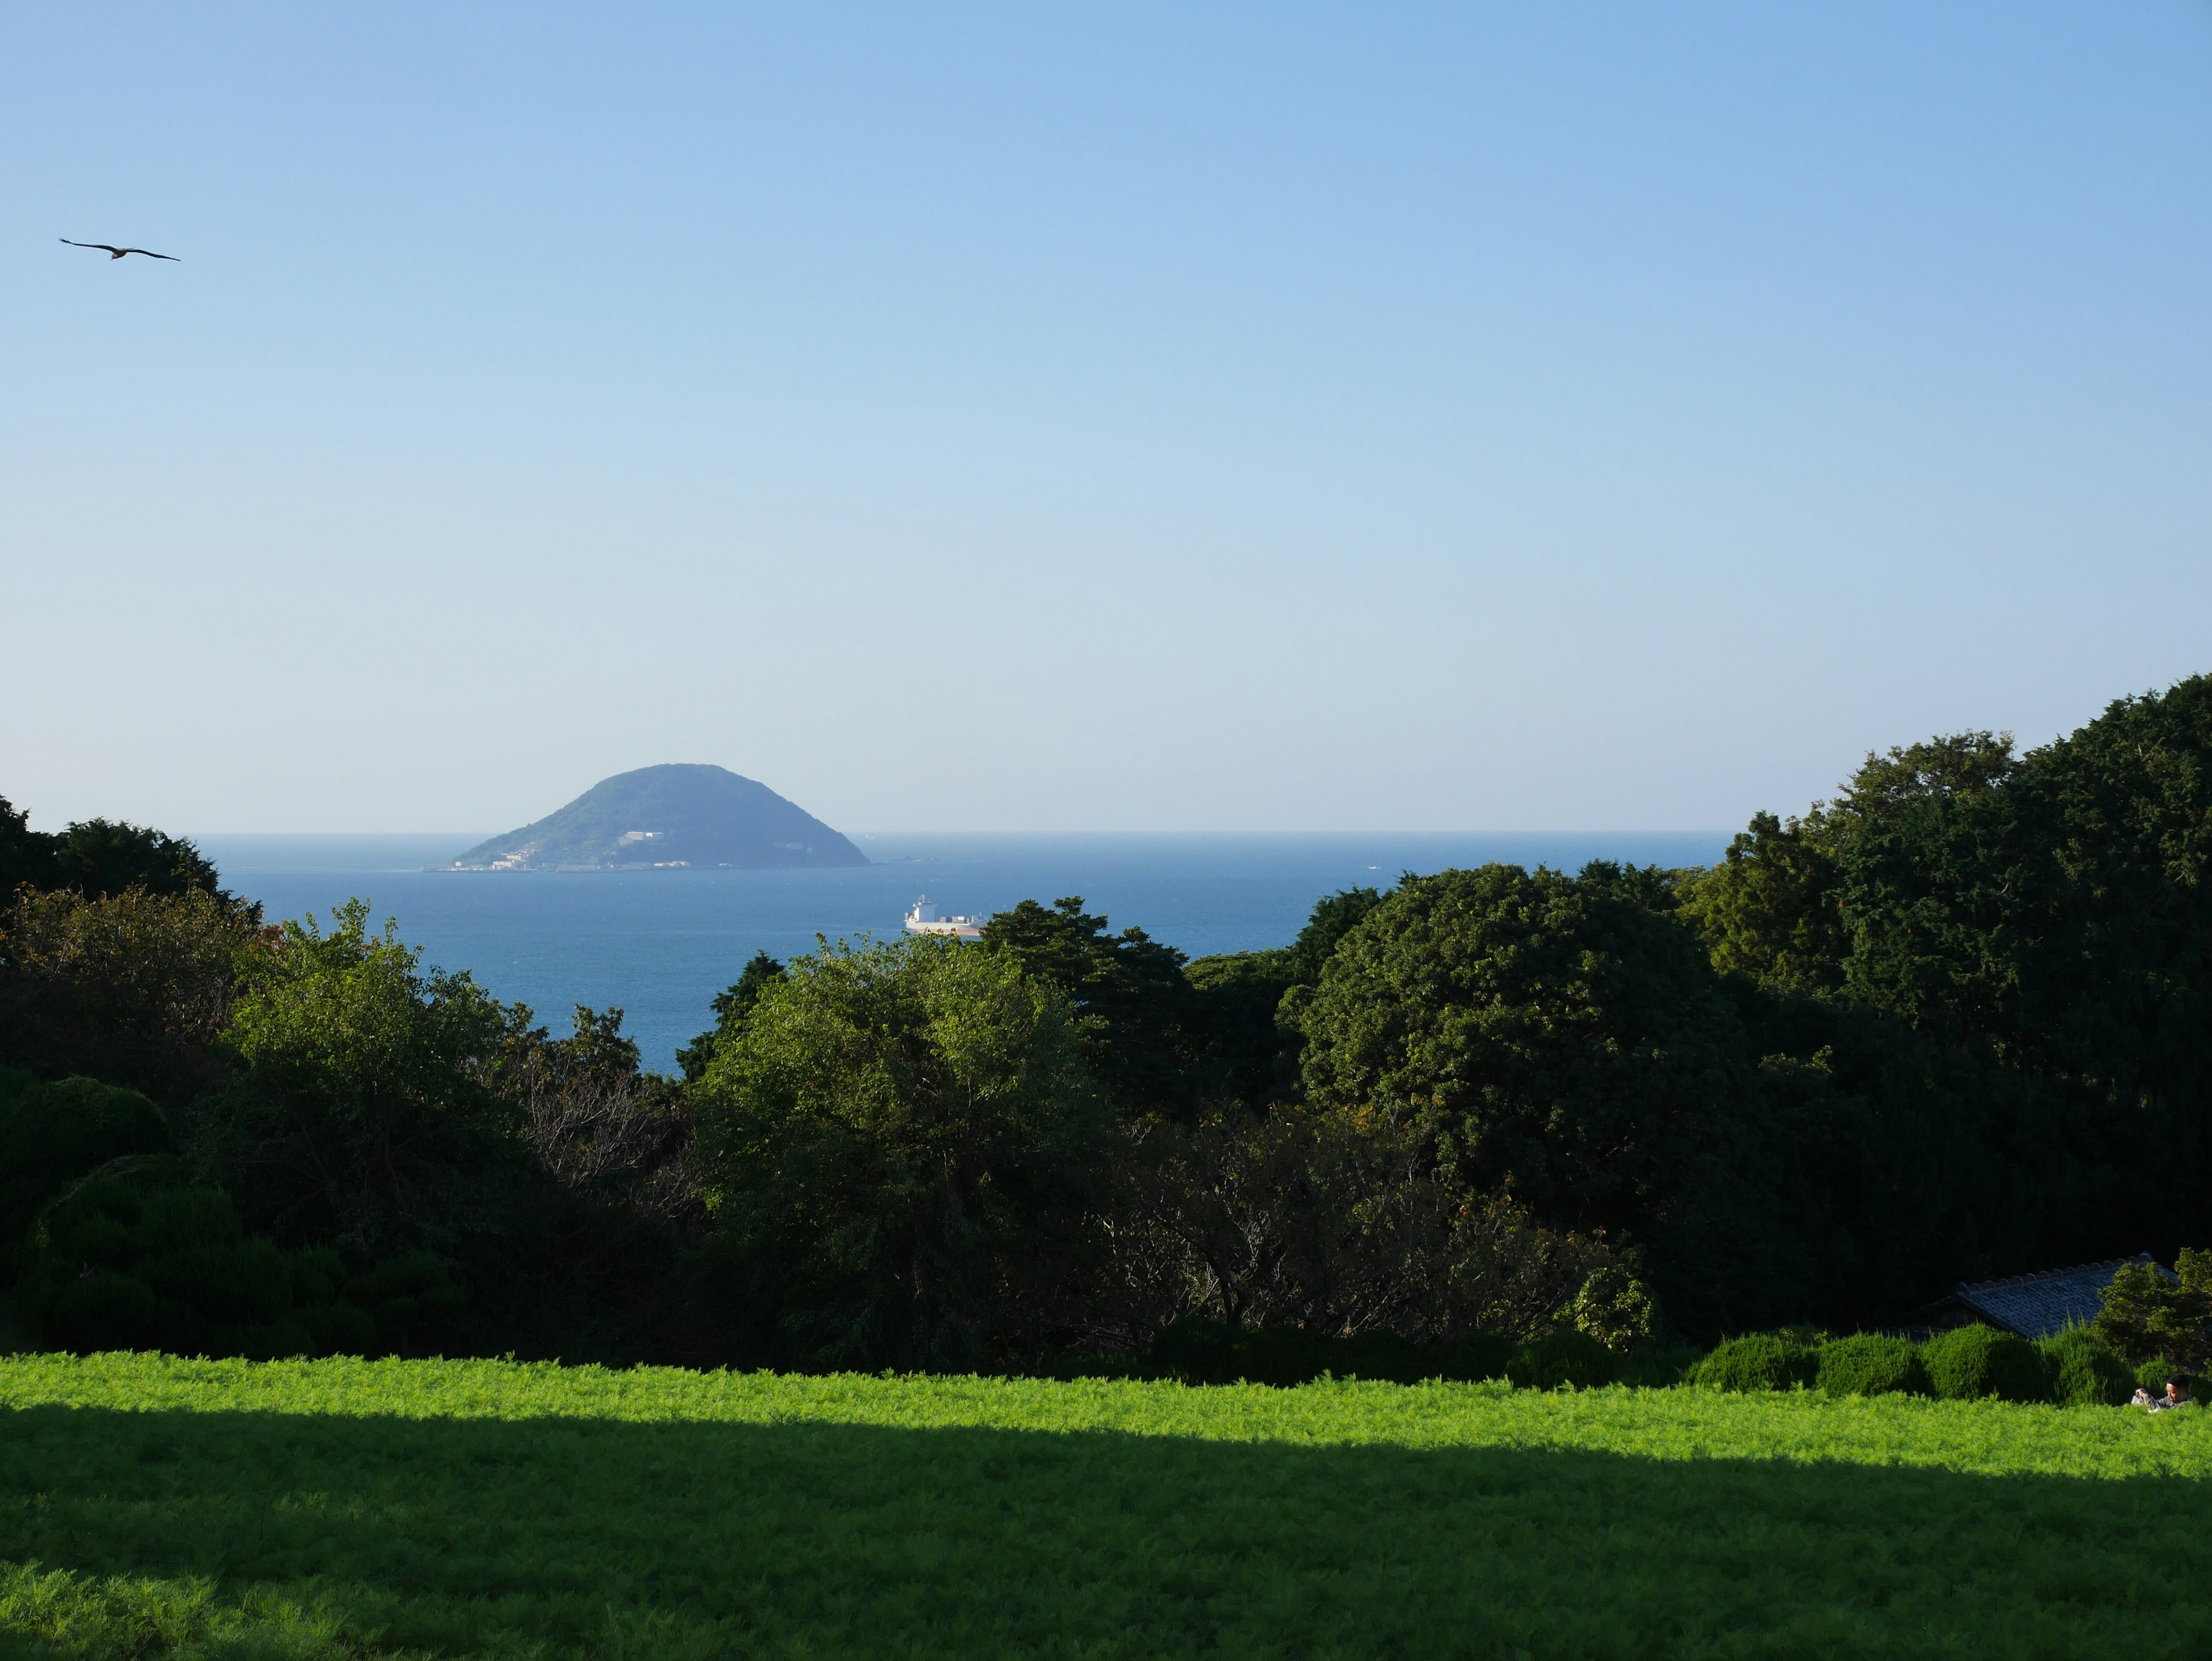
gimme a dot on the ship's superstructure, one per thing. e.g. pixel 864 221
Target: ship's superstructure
pixel 925 919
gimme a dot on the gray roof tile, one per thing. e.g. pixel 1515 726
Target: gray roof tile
pixel 2038 1305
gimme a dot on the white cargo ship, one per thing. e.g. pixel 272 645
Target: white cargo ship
pixel 924 919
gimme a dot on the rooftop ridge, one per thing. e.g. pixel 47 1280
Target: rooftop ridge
pixel 2057 1273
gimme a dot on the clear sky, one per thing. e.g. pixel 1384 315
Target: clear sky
pixel 1165 418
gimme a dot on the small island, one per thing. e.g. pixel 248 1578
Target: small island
pixel 676 817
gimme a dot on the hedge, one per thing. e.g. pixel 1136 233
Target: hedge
pixel 1974 1361
pixel 1867 1364
pixel 1759 1361
pixel 2081 1369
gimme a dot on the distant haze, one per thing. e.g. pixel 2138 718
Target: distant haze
pixel 1144 417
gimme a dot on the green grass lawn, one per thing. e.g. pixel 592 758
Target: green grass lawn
pixel 151 1506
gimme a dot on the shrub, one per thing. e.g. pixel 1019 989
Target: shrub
pixel 138 1258
pixel 51 1134
pixel 1471 1360
pixel 413 1299
pixel 1660 1366
pixel 2083 1371
pixel 1197 1351
pixel 1563 1356
pixel 1380 1355
pixel 1970 1362
pixel 1867 1364
pixel 1759 1361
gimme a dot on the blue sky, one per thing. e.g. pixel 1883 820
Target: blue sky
pixel 1261 419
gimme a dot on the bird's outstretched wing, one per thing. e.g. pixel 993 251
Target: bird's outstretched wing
pixel 110 248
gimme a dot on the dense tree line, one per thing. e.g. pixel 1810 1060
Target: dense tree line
pixel 1953 1023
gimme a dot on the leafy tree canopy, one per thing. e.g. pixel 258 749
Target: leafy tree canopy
pixel 897 1144
pixel 2048 911
pixel 1567 1045
pixel 1132 1005
pixel 360 1114
pixel 99 858
pixel 730 1007
pixel 134 988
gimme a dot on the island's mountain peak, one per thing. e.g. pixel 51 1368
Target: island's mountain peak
pixel 676 816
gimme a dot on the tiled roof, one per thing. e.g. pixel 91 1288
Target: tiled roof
pixel 2038 1305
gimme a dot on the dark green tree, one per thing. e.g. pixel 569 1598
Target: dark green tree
pixel 132 989
pixel 1333 917
pixel 2147 1316
pixel 730 1007
pixel 1251 1039
pixel 1771 909
pixel 25 855
pixel 359 1112
pixel 100 857
pixel 1569 1045
pixel 899 1147
pixel 1143 1040
pixel 2055 916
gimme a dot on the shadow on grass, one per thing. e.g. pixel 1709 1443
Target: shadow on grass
pixel 139 1533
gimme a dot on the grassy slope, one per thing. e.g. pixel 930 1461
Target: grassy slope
pixel 466 1507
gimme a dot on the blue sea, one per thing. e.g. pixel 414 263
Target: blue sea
pixel 661 944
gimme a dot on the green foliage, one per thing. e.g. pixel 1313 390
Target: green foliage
pixel 1562 1357
pixel 1252 1050
pixel 2083 1371
pixel 100 859
pixel 1615 1308
pixel 412 1298
pixel 1333 917
pixel 1247 1009
pixel 360 1114
pixel 2048 912
pixel 52 1133
pixel 2148 1316
pixel 25 854
pixel 1867 1364
pixel 139 1258
pixel 1759 1361
pixel 1143 1041
pixel 900 1147
pixel 1565 1041
pixel 133 989
pixel 761 971
pixel 1769 909
pixel 1327 1220
pixel 1970 1362
pixel 335 1509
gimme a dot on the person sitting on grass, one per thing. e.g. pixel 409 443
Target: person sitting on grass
pixel 2177 1394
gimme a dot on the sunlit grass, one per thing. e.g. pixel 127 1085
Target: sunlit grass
pixel 153 1506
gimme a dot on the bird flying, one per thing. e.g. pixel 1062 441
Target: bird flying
pixel 114 253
